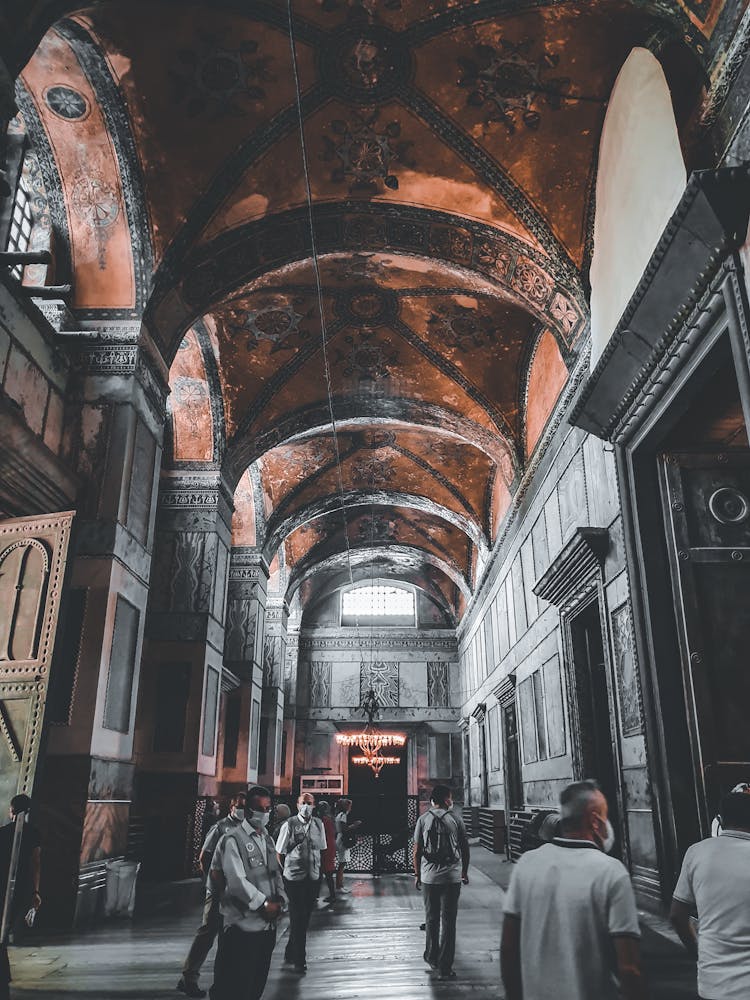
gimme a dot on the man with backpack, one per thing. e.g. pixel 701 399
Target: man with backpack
pixel 246 872
pixel 441 864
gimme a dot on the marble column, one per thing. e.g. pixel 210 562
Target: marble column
pixel 272 705
pixel 290 705
pixel 179 700
pixel 243 655
pixel 113 438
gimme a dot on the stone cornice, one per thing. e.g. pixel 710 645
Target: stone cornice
pixel 580 560
pixel 709 223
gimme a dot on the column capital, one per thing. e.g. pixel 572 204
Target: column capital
pixel 109 358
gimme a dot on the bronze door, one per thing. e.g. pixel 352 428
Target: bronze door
pixel 707 515
pixel 33 551
pixel 514 787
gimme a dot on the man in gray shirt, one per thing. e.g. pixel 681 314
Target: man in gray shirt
pixel 441 864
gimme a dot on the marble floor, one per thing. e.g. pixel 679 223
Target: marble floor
pixel 368 947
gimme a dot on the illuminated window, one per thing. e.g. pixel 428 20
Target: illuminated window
pixel 21 224
pixel 380 603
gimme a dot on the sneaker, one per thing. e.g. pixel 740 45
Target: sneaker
pixel 330 899
pixel 450 974
pixel 190 988
pixel 302 969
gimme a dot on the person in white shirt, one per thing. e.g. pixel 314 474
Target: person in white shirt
pixel 714 883
pixel 300 841
pixel 571 930
pixel 206 933
pixel 246 872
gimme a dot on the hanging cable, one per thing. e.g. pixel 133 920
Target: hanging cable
pixel 319 286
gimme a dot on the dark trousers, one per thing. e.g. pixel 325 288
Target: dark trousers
pixel 204 938
pixel 441 908
pixel 301 896
pixel 242 962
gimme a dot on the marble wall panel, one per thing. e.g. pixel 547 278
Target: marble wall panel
pixel 105 830
pixel 413 684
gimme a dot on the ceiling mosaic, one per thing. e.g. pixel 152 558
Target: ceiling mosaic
pixel 451 148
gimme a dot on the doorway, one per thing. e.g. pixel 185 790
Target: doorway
pixel 592 709
pixel 513 782
pixel 380 803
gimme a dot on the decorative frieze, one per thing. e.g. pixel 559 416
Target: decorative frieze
pixel 379 642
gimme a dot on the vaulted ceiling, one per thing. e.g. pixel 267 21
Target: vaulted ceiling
pixel 451 150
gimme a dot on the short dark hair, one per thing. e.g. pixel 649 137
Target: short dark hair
pixel 20 804
pixel 241 794
pixel 735 810
pixel 440 794
pixel 258 792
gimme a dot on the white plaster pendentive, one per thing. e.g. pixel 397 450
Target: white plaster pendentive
pixel 640 180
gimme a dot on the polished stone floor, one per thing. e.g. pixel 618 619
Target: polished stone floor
pixel 368 947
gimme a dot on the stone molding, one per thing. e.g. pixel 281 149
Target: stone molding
pixel 709 223
pixel 580 560
pixel 505 691
pixel 378 642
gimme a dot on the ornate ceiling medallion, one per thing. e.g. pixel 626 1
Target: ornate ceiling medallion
pixel 369 358
pixel 511 85
pixel 213 78
pixel 371 472
pixel 462 328
pixel 366 153
pixel 67 103
pixel 367 64
pixel 275 324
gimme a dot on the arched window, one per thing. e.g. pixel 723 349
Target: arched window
pixel 378 603
pixel 21 224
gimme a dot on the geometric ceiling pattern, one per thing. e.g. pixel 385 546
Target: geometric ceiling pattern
pixel 452 151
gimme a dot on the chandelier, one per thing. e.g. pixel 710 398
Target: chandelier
pixel 371 740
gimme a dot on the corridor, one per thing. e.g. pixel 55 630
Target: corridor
pixel 368 946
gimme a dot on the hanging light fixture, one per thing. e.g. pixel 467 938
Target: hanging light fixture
pixel 371 740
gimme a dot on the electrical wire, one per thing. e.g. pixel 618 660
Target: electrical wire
pixel 319 286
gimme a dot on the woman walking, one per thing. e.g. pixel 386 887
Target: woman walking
pixel 328 856
pixel 345 839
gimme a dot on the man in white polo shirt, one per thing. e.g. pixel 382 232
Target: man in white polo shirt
pixel 570 930
pixel 715 884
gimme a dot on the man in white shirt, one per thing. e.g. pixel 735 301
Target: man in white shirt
pixel 206 933
pixel 246 869
pixel 715 884
pixel 571 928
pixel 300 841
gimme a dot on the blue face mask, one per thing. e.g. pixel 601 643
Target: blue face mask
pixel 305 810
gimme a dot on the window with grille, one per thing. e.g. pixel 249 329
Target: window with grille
pixel 381 604
pixel 21 224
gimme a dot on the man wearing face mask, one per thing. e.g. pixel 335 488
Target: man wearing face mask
pixel 245 866
pixel 209 928
pixel 300 841
pixel 570 930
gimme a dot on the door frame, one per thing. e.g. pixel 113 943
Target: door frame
pixel 691 303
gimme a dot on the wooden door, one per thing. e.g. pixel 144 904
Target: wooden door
pixel 33 551
pixel 707 514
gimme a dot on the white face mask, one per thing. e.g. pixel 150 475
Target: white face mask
pixel 608 841
pixel 238 813
pixel 305 810
pixel 259 819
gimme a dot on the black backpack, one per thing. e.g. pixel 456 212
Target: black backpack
pixel 438 845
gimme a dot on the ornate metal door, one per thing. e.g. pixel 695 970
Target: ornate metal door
pixel 707 514
pixel 33 551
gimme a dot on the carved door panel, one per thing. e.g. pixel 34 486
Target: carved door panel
pixel 707 514
pixel 514 783
pixel 33 551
